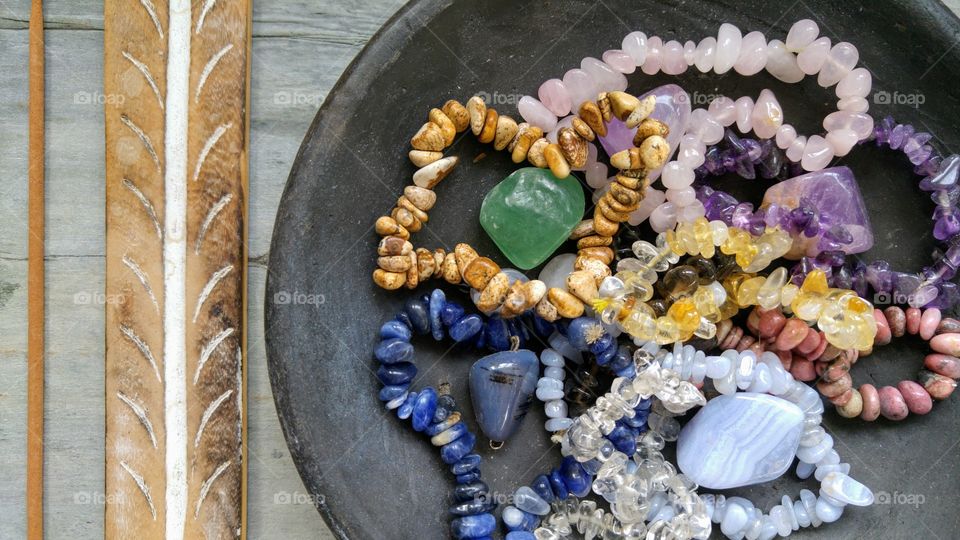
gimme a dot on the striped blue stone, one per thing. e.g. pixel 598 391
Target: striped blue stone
pixel 501 388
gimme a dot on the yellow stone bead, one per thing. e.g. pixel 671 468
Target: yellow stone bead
pixel 640 323
pixel 807 306
pixel 856 304
pixel 720 232
pixel 675 243
pixel 704 237
pixel 684 314
pixel 747 293
pixel 706 304
pixel 768 297
pixel 788 293
pixel 729 309
pixel 815 283
pixel 667 331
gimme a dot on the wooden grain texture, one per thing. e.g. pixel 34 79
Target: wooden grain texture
pixel 299 50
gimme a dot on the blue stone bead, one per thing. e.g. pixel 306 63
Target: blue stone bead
pixel 445 407
pixel 397 373
pixel 424 408
pixel 497 335
pixel 395 329
pixel 542 327
pixel 574 477
pixel 501 389
pixel 639 419
pixel 644 405
pixel 605 342
pixel 466 327
pixel 473 507
pixel 418 314
pixel 403 319
pixel 520 535
pixel 480 340
pixel 476 526
pixel 451 313
pixel 439 427
pixel 468 492
pixel 629 372
pixel 393 351
pixel 392 392
pixel 593 466
pixel 529 523
pixel 559 488
pixel 437 300
pixel 405 410
pixel 622 359
pixel 605 356
pixel 454 432
pixel 541 485
pixel 467 463
pixel 578 329
pixel 452 452
pixel 623 439
pixel 468 478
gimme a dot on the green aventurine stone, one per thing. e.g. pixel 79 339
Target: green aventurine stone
pixel 530 213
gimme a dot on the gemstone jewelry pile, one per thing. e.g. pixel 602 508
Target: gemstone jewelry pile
pixel 703 336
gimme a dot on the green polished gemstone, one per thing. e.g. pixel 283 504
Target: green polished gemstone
pixel 530 213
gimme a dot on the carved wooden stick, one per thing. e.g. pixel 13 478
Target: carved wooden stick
pixel 176 223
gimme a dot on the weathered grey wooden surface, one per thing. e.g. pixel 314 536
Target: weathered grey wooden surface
pixel 300 48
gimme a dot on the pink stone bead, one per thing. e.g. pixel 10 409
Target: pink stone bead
pixel 884 335
pixel 553 94
pixel 810 343
pixel 729 39
pixel 682 196
pixel 842 141
pixel 811 59
pixel 842 59
pixel 801 34
pixel 536 113
pixel 672 62
pixel 619 61
pixel 652 199
pixel 861 124
pixel 795 150
pixel 913 321
pixel 857 83
pixel 803 370
pixel 917 399
pixel 817 154
pixel 753 54
pixel 943 364
pixel 663 217
pixel 651 66
pixel 782 64
pixel 596 174
pixel 580 87
pixel 770 323
pixel 767 115
pixel 853 104
pixel 635 44
pixel 793 333
pixel 785 136
pixel 723 110
pixel 744 108
pixel 871 402
pixel 691 212
pixel 689 50
pixel 946 344
pixel 691 156
pixel 892 405
pixel 605 77
pixel 704 127
pixel 676 176
pixel 705 54
pixel 928 323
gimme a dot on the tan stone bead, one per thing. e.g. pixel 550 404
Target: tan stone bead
pixel 547 311
pixel 627 159
pixel 393 245
pixel 649 128
pixel 387 226
pixel 489 130
pixel 514 304
pixel 583 129
pixel 629 182
pixel 640 173
pixel 622 104
pixel 426 264
pixel 603 104
pixel 464 255
pixel 642 111
pixel 405 218
pixel 493 295
pixel 852 408
pixel 582 285
pixel 655 151
pixel 506 131
pixel 458 114
pixel 479 272
pixel 602 254
pixel 618 206
pixel 536 153
pixel 526 136
pixel 568 306
pixel 477 110
pixel 438 256
pixel 422 158
pixel 449 130
pixel 394 263
pixel 422 198
pixel 429 138
pixel 450 270
pixel 590 113
pixel 604 205
pixel 573 146
pixel 584 228
pixel 594 241
pixel 413 274
pixel 555 160
pixel 602 225
pixel 430 175
pixel 404 202
pixel 623 195
pixel 598 269
pixel 389 280
pixel 533 291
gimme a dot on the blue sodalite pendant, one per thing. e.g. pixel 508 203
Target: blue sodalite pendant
pixel 501 389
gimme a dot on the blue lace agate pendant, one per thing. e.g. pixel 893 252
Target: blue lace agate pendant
pixel 501 389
